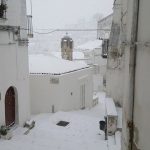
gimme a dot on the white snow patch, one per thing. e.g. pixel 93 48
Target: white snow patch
pixel 110 107
pixel 91 45
pixel 82 133
pixel 41 63
pixel 76 55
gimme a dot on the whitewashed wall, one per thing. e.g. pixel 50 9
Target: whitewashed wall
pixel 45 94
pixel 14 62
pixel 99 64
pixel 121 78
pixel 115 63
pixel 104 23
pixel 141 117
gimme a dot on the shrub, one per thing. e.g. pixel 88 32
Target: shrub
pixel 3 130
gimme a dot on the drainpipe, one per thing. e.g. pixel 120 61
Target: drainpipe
pixel 132 68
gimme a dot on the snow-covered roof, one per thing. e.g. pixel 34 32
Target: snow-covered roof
pixel 91 45
pixel 76 55
pixel 48 64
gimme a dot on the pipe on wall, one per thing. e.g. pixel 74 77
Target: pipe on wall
pixel 132 65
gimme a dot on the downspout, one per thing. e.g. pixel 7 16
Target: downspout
pixel 133 53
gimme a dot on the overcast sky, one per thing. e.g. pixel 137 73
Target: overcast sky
pixel 58 13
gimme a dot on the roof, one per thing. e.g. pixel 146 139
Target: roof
pixel 91 45
pixel 48 64
pixel 76 55
pixel 105 18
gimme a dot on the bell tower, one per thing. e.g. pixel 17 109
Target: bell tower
pixel 66 47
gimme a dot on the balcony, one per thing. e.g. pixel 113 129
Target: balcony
pixel 29 26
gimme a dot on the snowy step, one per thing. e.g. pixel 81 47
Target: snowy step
pixel 110 107
pixel 112 116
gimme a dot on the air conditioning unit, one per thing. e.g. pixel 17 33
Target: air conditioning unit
pixel 112 116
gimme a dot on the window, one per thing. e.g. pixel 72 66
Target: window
pixel 3 8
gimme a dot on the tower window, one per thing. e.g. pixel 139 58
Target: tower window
pixel 3 8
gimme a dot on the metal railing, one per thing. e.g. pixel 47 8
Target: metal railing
pixel 29 26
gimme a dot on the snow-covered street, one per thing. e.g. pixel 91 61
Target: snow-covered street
pixel 82 133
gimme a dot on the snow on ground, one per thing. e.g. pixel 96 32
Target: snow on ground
pixel 81 134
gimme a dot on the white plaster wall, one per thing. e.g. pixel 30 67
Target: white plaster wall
pixel 104 23
pixel 115 65
pixel 115 85
pixel 94 58
pixel 14 72
pixel 14 62
pixel 98 83
pixel 45 94
pixel 142 80
pixel 73 82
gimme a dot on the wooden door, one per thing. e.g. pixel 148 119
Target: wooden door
pixel 10 107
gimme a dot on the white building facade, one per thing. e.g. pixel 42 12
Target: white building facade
pixel 92 53
pixel 14 81
pixel 128 70
pixel 104 26
pixel 59 85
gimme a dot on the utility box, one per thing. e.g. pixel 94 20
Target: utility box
pixel 112 116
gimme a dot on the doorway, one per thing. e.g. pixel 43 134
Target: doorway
pixel 82 96
pixel 10 107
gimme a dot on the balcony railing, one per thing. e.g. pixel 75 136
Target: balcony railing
pixel 29 26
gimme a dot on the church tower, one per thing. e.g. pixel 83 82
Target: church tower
pixel 67 47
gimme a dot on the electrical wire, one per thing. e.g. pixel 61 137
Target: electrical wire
pixel 71 30
pixel 45 32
